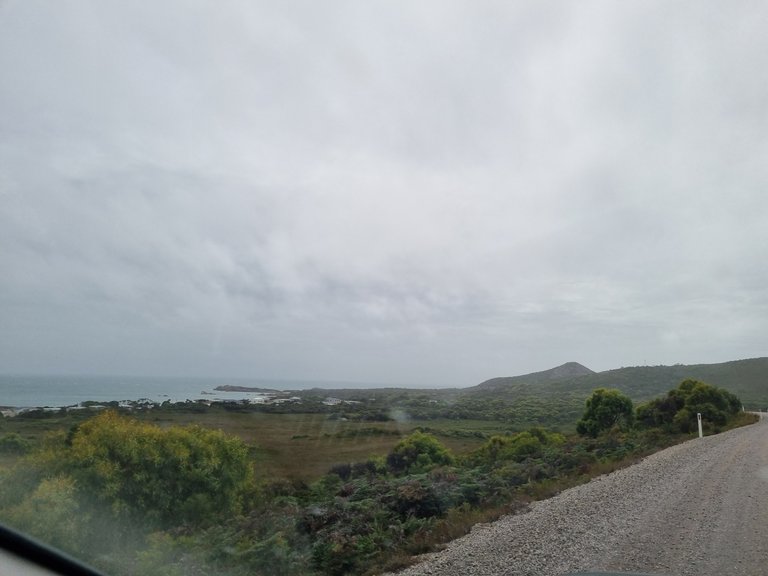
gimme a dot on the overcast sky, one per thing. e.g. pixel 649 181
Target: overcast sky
pixel 414 192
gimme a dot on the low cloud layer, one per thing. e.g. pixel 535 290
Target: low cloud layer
pixel 427 193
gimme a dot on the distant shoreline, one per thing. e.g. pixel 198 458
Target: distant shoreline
pixel 20 391
pixel 231 388
pixel 266 396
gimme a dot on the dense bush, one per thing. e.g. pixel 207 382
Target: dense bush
pixel 676 412
pixel 13 443
pixel 52 513
pixel 604 410
pixel 102 488
pixel 517 447
pixel 418 452
pixel 160 476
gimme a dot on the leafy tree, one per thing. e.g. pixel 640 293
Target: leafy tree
pixel 166 476
pixel 714 404
pixel 605 409
pixel 418 452
pixel 660 413
pixel 677 411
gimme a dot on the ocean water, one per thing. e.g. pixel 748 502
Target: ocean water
pixel 57 391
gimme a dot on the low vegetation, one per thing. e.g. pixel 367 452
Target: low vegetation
pixel 153 493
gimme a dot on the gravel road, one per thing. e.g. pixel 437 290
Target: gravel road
pixel 699 508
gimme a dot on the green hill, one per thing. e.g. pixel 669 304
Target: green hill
pixel 568 371
pixel 748 379
pixel 553 398
pixel 556 397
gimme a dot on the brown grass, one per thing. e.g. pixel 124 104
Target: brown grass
pixel 293 446
pixel 304 446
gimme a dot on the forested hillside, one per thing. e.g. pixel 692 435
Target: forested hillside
pixel 746 378
pixel 552 397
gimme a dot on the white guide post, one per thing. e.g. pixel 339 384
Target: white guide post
pixel 698 417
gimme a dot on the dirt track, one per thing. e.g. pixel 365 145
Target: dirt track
pixel 699 508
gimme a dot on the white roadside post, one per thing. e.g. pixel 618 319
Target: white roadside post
pixel 698 417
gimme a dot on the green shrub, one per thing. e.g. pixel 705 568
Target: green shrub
pixel 677 411
pixel 604 409
pixel 159 476
pixel 418 452
pixel 13 443
pixel 52 514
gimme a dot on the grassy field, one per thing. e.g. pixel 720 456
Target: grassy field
pixel 305 446
pixel 292 446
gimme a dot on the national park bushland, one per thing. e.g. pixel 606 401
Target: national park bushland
pixel 141 494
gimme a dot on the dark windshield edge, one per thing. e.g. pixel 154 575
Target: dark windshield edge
pixel 45 556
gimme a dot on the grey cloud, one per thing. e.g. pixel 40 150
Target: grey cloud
pixel 433 192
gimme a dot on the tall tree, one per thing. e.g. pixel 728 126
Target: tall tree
pixel 605 408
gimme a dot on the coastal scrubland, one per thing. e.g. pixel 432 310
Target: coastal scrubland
pixel 312 487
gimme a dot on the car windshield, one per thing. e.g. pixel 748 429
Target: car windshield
pixel 317 288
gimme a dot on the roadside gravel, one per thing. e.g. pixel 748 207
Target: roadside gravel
pixel 699 508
